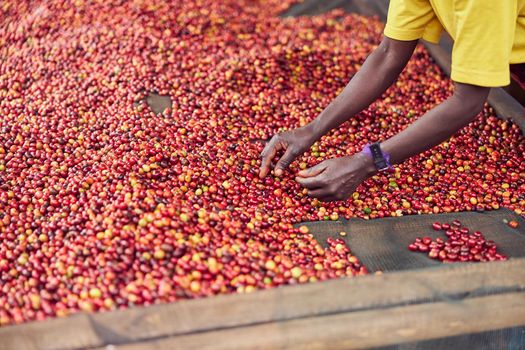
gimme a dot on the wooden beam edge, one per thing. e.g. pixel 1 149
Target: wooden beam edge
pixel 363 329
pixel 452 282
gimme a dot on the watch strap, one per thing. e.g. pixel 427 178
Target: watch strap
pixel 380 158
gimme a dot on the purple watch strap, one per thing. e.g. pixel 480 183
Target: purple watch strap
pixel 366 150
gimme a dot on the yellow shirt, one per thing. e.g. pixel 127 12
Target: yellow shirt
pixel 488 34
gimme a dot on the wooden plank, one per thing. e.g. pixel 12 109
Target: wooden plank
pixel 278 305
pixel 381 8
pixel 74 332
pixel 312 8
pixel 361 329
pixel 316 7
pixel 312 299
pixel 362 7
pixel 442 57
pixel 506 107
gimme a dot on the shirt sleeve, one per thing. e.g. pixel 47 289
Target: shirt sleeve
pixel 411 20
pixel 485 32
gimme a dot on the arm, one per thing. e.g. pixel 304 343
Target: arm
pixel 337 178
pixel 437 124
pixel 380 70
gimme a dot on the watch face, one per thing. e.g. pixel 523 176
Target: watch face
pixel 379 161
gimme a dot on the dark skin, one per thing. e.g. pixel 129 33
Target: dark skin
pixel 336 179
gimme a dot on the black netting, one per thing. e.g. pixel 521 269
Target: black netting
pixel 381 244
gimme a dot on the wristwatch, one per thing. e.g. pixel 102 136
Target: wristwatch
pixel 381 160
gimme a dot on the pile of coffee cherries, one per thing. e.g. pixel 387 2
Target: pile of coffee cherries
pixel 461 245
pixel 105 204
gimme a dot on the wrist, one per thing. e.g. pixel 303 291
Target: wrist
pixel 367 164
pixel 313 131
pixel 380 158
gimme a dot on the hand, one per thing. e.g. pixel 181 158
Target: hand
pixel 295 142
pixel 337 178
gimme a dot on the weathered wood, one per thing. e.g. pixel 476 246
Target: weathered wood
pixel 313 7
pixel 440 55
pixel 506 107
pixel 74 332
pixel 364 329
pixel 314 299
pixel 316 7
pixel 380 8
pixel 451 282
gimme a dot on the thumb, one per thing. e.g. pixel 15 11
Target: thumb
pixel 313 171
pixel 285 161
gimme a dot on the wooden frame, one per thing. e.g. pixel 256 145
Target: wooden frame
pixel 382 309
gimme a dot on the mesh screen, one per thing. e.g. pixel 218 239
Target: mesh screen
pixel 381 244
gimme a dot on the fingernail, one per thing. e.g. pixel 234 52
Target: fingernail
pixel 278 172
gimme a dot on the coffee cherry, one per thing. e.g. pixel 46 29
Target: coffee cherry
pixel 513 224
pixel 460 246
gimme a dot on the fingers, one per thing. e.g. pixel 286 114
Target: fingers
pixel 267 155
pixel 331 193
pixel 285 161
pixel 320 193
pixel 313 171
pixel 325 195
pixel 310 182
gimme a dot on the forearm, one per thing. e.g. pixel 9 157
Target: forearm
pixel 379 71
pixel 436 125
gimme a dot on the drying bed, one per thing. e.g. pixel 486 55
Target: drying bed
pixel 107 204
